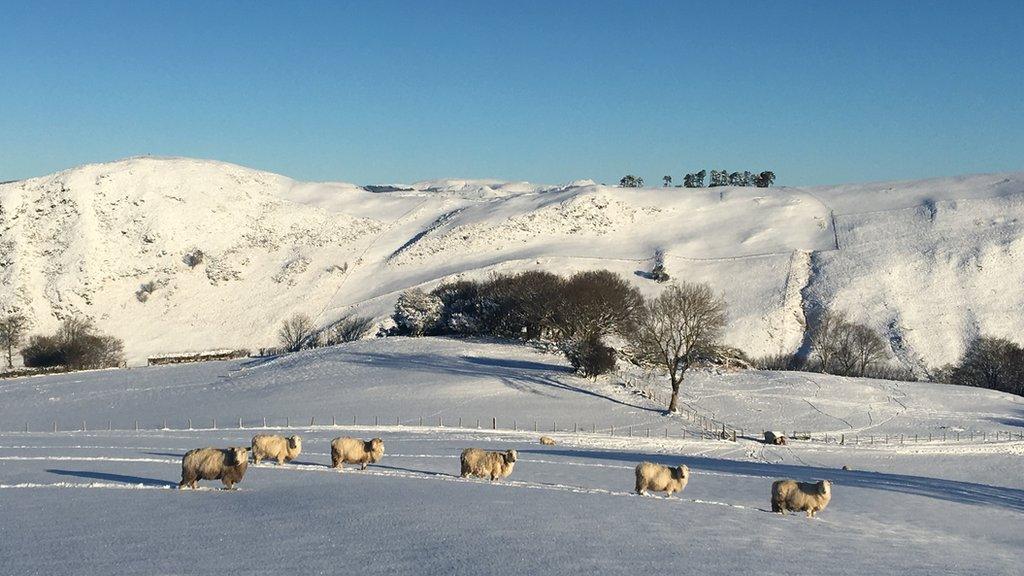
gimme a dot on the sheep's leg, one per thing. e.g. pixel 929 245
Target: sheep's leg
pixel 280 460
pixel 363 467
pixel 810 513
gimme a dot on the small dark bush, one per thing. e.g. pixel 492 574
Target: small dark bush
pixel 76 345
pixel 993 363
pixel 142 294
pixel 193 258
pixel 42 352
pixel 590 357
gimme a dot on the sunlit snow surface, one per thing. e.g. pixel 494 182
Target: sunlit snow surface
pixel 99 502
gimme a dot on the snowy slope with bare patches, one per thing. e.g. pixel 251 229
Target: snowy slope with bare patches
pixel 931 263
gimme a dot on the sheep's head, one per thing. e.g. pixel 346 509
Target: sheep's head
pixel 684 472
pixel 511 456
pixel 377 447
pixel 825 487
pixel 295 442
pixel 240 454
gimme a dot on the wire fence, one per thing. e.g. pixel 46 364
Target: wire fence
pixel 695 426
pixel 433 422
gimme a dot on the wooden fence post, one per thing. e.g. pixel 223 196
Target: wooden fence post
pixel 239 422
pixel 54 425
pixel 136 425
pixel 264 421
pixel 214 423
pixel 494 423
pixel 189 423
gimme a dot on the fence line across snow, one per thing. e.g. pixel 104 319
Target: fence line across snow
pixel 708 430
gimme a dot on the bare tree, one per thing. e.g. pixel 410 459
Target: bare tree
pixel 826 338
pixel 845 348
pixel 294 332
pixel 674 329
pixel 866 349
pixel 12 332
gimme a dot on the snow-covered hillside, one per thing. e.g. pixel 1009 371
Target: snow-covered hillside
pixel 104 502
pixel 929 263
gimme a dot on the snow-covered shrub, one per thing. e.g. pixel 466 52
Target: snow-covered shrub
pixel 193 258
pixel 461 307
pixel 144 291
pixel 417 313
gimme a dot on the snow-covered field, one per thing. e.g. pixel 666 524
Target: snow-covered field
pixel 103 502
pixel 930 264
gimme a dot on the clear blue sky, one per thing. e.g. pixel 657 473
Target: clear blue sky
pixel 549 91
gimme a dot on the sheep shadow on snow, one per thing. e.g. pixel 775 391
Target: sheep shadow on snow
pixel 120 478
pixel 941 489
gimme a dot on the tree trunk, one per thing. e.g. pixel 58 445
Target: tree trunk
pixel 673 404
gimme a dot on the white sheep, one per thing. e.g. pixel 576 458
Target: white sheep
pixel 547 441
pixel 650 476
pixel 227 465
pixel 274 447
pixel 775 438
pixel 485 464
pixel 347 450
pixel 811 497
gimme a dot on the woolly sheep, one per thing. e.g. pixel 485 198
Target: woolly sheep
pixel 274 447
pixel 346 450
pixel 484 464
pixel 227 465
pixel 811 497
pixel 547 441
pixel 650 476
pixel 774 438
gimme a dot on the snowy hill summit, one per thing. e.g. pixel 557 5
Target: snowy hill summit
pixel 176 254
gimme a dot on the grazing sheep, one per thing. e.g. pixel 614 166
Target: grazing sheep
pixel 845 467
pixel 346 450
pixel 277 448
pixel 660 478
pixel 774 438
pixel 792 495
pixel 547 441
pixel 484 464
pixel 225 464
